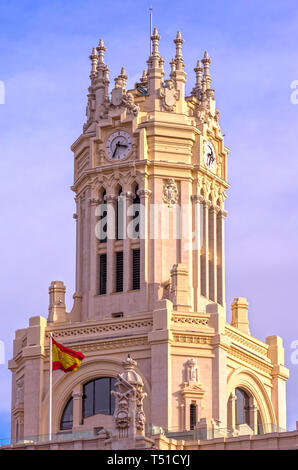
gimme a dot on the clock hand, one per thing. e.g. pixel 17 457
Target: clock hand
pixel 125 146
pixel 116 148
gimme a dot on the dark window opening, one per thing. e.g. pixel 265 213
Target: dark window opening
pixel 103 221
pixel 242 407
pixel 136 214
pixel 193 415
pixel 136 269
pixel 119 271
pixel 103 274
pixel 119 216
pixel 117 315
pixel 67 416
pixel 97 397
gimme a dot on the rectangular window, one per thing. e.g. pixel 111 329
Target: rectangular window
pixel 193 415
pixel 103 274
pixel 117 315
pixel 119 271
pixel 136 269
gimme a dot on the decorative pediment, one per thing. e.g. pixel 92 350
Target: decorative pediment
pixel 192 390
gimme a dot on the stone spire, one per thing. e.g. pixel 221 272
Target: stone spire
pixel 101 51
pixel 123 77
pixel 206 63
pixel 94 58
pixel 198 86
pixel 179 57
pixel 155 38
pixel 173 69
pixel 177 73
pixel 144 77
pixel 155 67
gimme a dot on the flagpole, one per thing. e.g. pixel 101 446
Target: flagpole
pixel 50 390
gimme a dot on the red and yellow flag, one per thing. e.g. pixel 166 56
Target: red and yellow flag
pixel 64 358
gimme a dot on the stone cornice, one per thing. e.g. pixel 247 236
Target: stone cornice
pixel 254 344
pixel 105 327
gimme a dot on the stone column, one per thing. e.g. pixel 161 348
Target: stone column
pixel 128 197
pixel 205 251
pixel 197 245
pixel 220 344
pixel 253 415
pixel 93 254
pixel 232 410
pixel 85 279
pixel 144 195
pixel 160 340
pixel 221 257
pixel 77 407
pixel 213 253
pixel 111 200
pixel 280 374
pixel 33 359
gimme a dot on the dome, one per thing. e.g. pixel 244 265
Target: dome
pixel 129 374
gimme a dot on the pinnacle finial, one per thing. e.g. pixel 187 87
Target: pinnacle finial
pixel 144 77
pixel 198 70
pixel 155 39
pixel 101 50
pixel 123 77
pixel 179 57
pixel 206 63
pixel 93 57
pixel 173 68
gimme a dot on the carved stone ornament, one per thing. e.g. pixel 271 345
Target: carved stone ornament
pixel 169 96
pixel 121 97
pixel 170 193
pixel 192 371
pixel 117 96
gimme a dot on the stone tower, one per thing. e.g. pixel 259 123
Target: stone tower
pixel 150 175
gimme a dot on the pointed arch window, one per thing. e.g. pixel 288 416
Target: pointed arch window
pixel 103 220
pixel 136 214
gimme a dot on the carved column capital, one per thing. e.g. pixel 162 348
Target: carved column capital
pixel 222 213
pixel 144 193
pixel 111 198
pixel 197 198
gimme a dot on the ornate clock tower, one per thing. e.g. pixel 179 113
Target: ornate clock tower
pixel 150 175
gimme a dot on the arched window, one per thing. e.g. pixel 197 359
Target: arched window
pixel 67 416
pixel 119 216
pixel 242 407
pixel 103 220
pixel 97 398
pixel 136 214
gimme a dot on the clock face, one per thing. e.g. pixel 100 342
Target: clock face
pixel 209 155
pixel 118 145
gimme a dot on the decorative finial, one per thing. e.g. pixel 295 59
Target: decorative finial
pixel 93 57
pixel 101 50
pixel 179 57
pixel 155 38
pixel 144 77
pixel 173 68
pixel 206 63
pixel 198 70
pixel 123 77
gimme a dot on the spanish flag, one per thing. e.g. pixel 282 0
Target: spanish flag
pixel 64 358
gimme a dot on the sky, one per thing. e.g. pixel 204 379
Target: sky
pixel 44 66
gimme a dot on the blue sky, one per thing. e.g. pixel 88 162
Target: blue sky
pixel 44 63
